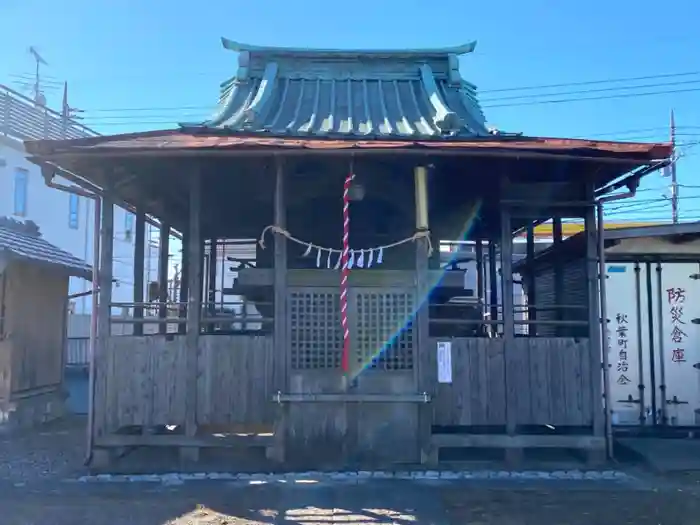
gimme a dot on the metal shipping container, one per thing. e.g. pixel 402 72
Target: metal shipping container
pixel 653 318
pixel 653 311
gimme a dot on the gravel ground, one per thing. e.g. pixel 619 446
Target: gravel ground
pixel 33 465
pixel 395 503
pixel 580 507
pixel 56 450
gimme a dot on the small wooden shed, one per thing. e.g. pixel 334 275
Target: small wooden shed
pixel 34 278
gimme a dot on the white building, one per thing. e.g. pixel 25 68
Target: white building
pixel 64 219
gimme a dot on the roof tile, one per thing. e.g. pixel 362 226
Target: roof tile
pixel 36 249
pixel 336 93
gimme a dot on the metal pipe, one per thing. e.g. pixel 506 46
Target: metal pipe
pixel 91 191
pixel 459 322
pixel 524 307
pixel 631 181
pixel 82 294
pixel 652 347
pixel 602 276
pixel 95 303
pixel 640 349
pixel 662 363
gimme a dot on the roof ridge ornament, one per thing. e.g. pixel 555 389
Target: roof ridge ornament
pixel 445 119
pixel 240 47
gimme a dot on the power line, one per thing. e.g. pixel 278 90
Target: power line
pixel 546 86
pixel 593 82
pixel 659 129
pixel 654 205
pixel 603 97
pixel 598 90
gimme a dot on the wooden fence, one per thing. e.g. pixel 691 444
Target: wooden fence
pixel 141 381
pixel 551 376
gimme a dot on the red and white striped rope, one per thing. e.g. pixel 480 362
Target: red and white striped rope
pixel 345 272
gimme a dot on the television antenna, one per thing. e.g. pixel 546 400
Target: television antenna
pixel 39 97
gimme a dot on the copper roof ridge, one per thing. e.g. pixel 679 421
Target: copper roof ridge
pixel 240 47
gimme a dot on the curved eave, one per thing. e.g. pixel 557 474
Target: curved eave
pixel 240 47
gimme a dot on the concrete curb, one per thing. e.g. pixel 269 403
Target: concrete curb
pixel 359 476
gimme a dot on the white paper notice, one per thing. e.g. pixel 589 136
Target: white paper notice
pixel 444 362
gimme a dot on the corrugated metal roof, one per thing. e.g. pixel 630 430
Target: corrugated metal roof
pixel 33 248
pixel 573 228
pixel 574 246
pixel 382 94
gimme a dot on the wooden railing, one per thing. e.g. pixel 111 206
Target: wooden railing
pixel 23 119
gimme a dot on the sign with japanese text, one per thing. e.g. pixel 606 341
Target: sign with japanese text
pixel 621 338
pixel 675 297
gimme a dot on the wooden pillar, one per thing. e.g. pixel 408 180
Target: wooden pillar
pixel 281 357
pixel 421 326
pixel 163 263
pixel 102 457
pixel 530 283
pixel 557 231
pixel 211 280
pixel 139 258
pixel 480 283
pixel 493 288
pixel 557 239
pixel 184 282
pixel 480 270
pixel 513 456
pixel 105 273
pixel 194 315
pixel 594 320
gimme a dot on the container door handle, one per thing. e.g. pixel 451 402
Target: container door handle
pixel 629 399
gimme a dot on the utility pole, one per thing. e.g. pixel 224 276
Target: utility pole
pixel 674 178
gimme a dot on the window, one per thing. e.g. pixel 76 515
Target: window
pixel 21 188
pixel 128 226
pixel 73 211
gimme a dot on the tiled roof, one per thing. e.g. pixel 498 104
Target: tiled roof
pixel 19 245
pixel 383 94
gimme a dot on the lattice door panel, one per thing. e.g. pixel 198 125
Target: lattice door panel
pixel 315 336
pixel 382 328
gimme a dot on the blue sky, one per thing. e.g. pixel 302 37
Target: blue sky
pixel 123 57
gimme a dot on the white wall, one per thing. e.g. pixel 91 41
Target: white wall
pixel 49 209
